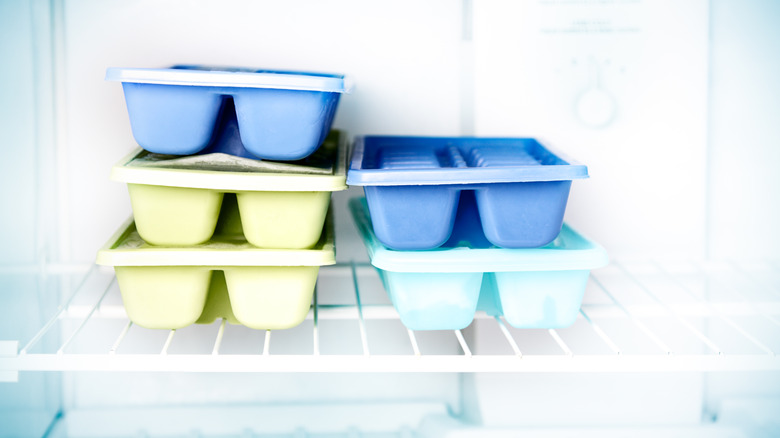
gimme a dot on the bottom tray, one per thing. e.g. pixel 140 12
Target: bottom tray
pixel 441 289
pixel 170 297
pixel 170 288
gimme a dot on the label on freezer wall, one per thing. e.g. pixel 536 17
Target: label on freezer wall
pixel 621 85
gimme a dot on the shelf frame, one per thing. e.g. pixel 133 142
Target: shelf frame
pixel 467 359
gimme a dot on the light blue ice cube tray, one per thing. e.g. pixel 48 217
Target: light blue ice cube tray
pixel 281 115
pixel 415 184
pixel 441 289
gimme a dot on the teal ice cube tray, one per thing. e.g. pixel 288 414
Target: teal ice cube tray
pixel 442 288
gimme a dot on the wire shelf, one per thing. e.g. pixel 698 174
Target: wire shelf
pixel 635 317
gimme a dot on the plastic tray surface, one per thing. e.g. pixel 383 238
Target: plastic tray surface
pixel 170 288
pixel 180 201
pixel 280 115
pixel 440 289
pixel 415 185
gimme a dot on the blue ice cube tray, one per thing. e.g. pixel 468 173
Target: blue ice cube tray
pixel 280 115
pixel 441 289
pixel 414 186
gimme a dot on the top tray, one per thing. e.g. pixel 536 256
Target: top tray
pixel 211 76
pixel 280 115
pixel 421 190
pixel 457 160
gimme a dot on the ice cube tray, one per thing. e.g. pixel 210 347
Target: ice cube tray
pixel 413 186
pixel 441 289
pixel 281 115
pixel 178 201
pixel 170 288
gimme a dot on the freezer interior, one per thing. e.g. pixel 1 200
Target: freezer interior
pixel 672 106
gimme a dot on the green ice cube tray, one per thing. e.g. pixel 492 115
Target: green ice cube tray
pixel 226 277
pixel 177 201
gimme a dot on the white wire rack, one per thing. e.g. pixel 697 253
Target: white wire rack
pixel 635 317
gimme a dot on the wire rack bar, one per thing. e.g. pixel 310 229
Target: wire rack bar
pixel 46 327
pixel 120 338
pixel 86 318
pixel 167 344
pixel 394 364
pixel 594 311
pixel 463 345
pixel 508 336
pixel 361 322
pixel 220 334
pixel 267 343
pixel 758 309
pixel 665 348
pixel 601 333
pixel 706 340
pixel 413 340
pixel 315 330
pixel 560 342
pixel 720 315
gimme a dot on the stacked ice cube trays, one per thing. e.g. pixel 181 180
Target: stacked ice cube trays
pixel 455 225
pixel 218 229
